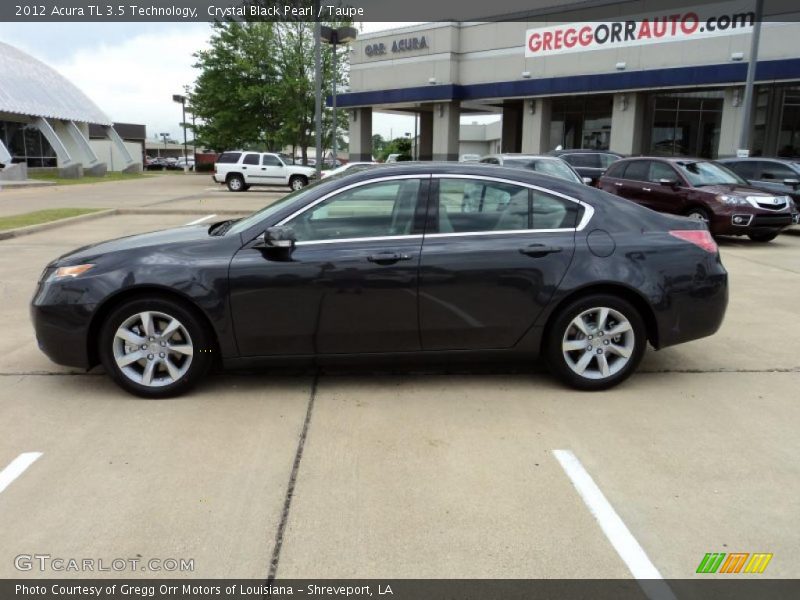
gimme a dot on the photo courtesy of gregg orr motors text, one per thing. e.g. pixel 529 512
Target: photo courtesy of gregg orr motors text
pixel 675 25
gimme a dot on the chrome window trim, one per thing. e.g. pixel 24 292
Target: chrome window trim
pixel 413 236
pixel 588 210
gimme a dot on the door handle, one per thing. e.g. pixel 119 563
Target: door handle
pixel 618 184
pixel 387 258
pixel 244 168
pixel 646 189
pixel 539 250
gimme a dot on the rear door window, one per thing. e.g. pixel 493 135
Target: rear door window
pixel 251 159
pixel 637 170
pixel 229 157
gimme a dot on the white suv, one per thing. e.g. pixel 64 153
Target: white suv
pixel 240 170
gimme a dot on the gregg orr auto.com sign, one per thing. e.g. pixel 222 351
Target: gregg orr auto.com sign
pixel 677 25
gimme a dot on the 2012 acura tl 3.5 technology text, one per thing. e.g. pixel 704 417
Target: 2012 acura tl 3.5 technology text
pixel 409 260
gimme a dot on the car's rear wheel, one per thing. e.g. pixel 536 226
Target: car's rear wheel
pixel 155 348
pixel 595 342
pixel 236 183
pixel 298 182
pixel 763 236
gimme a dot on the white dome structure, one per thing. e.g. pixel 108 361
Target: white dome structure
pixel 32 88
pixel 44 121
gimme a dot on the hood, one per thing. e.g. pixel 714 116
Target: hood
pixel 165 237
pixel 737 190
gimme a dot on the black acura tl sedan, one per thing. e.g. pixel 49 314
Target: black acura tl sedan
pixel 414 260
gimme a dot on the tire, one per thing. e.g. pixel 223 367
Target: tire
pixel 297 182
pixel 701 214
pixel 572 365
pixel 151 370
pixel 763 236
pixel 236 183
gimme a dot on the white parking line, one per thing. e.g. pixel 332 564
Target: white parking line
pixel 198 221
pixel 17 468
pixel 629 550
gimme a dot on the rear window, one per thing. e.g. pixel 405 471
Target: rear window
pixel 229 157
pixel 583 160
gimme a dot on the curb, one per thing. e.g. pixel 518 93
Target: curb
pixel 20 231
pixel 180 211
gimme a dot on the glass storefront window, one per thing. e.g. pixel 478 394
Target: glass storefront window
pixel 686 123
pixel 789 131
pixel 27 144
pixel 581 122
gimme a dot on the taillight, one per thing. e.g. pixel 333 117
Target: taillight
pixel 698 237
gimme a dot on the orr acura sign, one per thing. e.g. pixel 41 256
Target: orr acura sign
pixel 674 26
pixel 402 45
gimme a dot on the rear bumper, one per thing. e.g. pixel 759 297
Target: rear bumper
pixel 696 307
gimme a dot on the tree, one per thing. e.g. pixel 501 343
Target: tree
pixel 378 144
pixel 401 146
pixel 233 97
pixel 256 87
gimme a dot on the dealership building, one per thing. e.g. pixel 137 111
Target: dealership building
pixel 643 80
pixel 45 123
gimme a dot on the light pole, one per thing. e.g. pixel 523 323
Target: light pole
pixel 341 35
pixel 165 136
pixel 182 101
pixel 747 105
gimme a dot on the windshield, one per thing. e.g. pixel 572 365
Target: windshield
pixel 546 166
pixel 701 173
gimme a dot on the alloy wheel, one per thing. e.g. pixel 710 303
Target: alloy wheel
pixel 598 343
pixel 153 349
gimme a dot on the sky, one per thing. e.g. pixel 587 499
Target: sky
pixel 131 70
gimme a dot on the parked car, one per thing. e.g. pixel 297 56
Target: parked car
pixel 588 163
pixel 155 164
pixel 547 165
pixel 419 260
pixel 778 175
pixel 181 163
pixel 349 167
pixel 240 170
pixel 701 189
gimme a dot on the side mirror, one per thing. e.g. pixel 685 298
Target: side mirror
pixel 668 182
pixel 792 182
pixel 587 180
pixel 280 237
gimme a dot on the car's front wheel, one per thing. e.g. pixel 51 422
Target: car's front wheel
pixel 595 342
pixel 236 183
pixel 763 236
pixel 155 348
pixel 298 182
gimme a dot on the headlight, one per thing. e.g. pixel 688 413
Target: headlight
pixel 73 271
pixel 733 200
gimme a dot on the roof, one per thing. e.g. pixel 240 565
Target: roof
pixel 29 87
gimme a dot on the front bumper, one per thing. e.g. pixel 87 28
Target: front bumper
pixel 62 325
pixel 743 220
